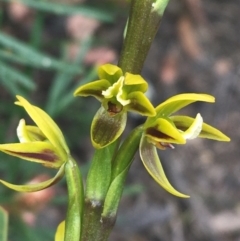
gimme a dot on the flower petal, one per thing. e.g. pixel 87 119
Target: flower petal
pixel 105 128
pixel 29 133
pixel 164 131
pixel 209 132
pixel 140 103
pixel 154 167
pixel 109 72
pixel 116 91
pixel 136 81
pixel 177 102
pixel 59 235
pixel 45 124
pixel 36 186
pixel 40 152
pixel 94 89
pixel 194 129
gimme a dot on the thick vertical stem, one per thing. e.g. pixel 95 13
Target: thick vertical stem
pixel 142 27
pixel 98 181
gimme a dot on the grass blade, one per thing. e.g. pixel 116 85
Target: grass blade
pixel 65 9
pixel 61 94
pixel 34 57
pixel 12 79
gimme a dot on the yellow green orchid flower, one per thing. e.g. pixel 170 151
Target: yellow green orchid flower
pixel 118 94
pixel 43 144
pixel 163 130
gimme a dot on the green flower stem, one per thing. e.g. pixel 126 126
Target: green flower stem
pixel 121 165
pixel 91 220
pixel 142 27
pixel 126 152
pixel 98 181
pixel 75 201
pixel 100 217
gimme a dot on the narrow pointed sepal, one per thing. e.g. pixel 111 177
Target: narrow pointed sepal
pixel 209 132
pixel 59 235
pixel 94 89
pixel 36 186
pixel 177 102
pixel 140 104
pixel 149 157
pixel 107 128
pixel 39 151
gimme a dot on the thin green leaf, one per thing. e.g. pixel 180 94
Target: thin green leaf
pixel 63 9
pixel 7 55
pixel 11 86
pixel 35 58
pixel 67 99
pixel 10 74
pixel 60 97
pixel 3 224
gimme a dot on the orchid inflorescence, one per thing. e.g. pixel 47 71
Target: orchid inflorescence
pixel 118 93
pixel 92 209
